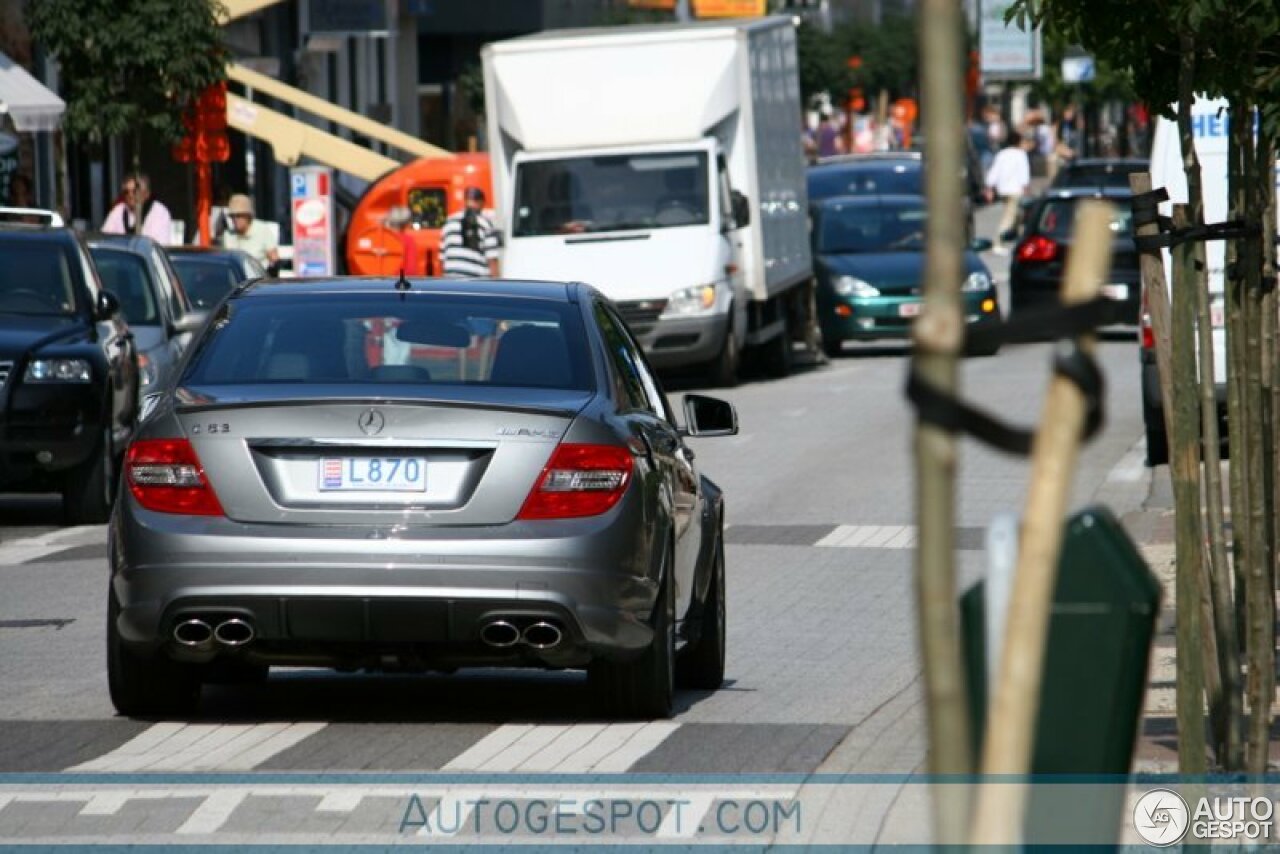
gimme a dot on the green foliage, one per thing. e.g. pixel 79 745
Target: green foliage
pixel 888 53
pixel 130 67
pixel 822 63
pixel 1109 83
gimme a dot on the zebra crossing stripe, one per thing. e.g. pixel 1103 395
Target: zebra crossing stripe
pixel 574 748
pixel 201 747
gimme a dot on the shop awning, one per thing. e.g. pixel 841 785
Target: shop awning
pixel 31 106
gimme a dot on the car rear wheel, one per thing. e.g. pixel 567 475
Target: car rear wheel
pixel 1157 441
pixel 87 494
pixel 146 687
pixel 702 665
pixel 645 687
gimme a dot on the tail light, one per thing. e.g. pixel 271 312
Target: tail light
pixel 1145 332
pixel 580 480
pixel 165 475
pixel 1037 248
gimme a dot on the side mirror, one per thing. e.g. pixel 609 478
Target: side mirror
pixel 190 322
pixel 709 416
pixel 108 305
pixel 741 209
pixel 980 244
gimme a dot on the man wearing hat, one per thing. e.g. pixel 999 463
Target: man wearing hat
pixel 248 234
pixel 468 241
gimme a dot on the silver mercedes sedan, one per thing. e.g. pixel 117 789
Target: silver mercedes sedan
pixel 427 475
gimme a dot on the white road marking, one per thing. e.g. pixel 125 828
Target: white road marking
pixel 201 747
pixel 213 813
pixel 870 537
pixel 451 809
pixel 685 821
pixel 576 748
pixel 27 548
pixel 343 800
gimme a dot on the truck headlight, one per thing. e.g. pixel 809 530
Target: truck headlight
pixel 852 286
pixel 699 299
pixel 976 283
pixel 58 371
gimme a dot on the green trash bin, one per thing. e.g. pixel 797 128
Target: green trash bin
pixel 1105 607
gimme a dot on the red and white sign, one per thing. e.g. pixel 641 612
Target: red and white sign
pixel 313 223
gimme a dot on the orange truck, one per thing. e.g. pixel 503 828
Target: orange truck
pixel 432 189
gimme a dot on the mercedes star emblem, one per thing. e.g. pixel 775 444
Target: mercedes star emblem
pixel 371 422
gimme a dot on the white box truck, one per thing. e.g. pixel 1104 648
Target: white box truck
pixel 663 165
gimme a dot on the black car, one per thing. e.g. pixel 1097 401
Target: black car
pixel 1098 173
pixel 209 274
pixel 136 270
pixel 68 373
pixel 1035 274
pixel 888 173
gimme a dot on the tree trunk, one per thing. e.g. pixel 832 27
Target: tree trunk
pixel 1184 468
pixel 1225 702
pixel 938 341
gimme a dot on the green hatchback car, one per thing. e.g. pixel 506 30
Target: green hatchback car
pixel 869 257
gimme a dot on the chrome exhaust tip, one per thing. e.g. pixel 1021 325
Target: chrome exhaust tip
pixel 500 634
pixel 233 632
pixel 193 633
pixel 543 635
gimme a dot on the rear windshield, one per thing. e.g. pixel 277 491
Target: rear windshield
pixel 1057 216
pixel 1104 175
pixel 35 278
pixel 419 338
pixel 126 276
pixel 207 280
pixel 885 179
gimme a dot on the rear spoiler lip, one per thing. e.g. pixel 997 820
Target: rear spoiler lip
pixel 523 408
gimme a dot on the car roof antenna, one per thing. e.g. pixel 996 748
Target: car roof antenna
pixel 402 283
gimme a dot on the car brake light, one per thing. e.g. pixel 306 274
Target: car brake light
pixel 165 475
pixel 580 480
pixel 1037 248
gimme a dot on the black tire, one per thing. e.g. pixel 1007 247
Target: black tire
pixel 723 369
pixel 147 687
pixel 982 352
pixel 1157 441
pixel 87 495
pixel 701 665
pixel 833 347
pixel 779 355
pixel 644 688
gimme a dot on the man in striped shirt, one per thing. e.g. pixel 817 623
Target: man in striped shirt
pixel 469 242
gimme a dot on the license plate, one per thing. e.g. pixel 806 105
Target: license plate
pixel 1117 292
pixel 1217 315
pixel 908 309
pixel 373 474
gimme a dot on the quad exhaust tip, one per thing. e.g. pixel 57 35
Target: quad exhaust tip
pixel 500 634
pixel 233 632
pixel 193 633
pixel 542 635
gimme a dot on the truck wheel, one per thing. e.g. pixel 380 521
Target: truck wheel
pixel 702 665
pixel 144 687
pixel 723 370
pixel 779 355
pixel 87 494
pixel 643 688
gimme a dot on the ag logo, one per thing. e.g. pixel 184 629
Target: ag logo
pixel 1161 817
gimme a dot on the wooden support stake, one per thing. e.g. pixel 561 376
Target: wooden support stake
pixel 1010 732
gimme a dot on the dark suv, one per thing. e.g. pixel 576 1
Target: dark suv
pixel 68 373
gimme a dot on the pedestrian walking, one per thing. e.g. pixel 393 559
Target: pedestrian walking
pixel 830 139
pixel 248 234
pixel 1009 177
pixel 469 241
pixel 138 212
pixel 400 219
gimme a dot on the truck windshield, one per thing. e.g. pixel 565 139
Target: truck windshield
pixel 615 192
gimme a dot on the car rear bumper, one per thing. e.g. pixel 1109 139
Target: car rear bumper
pixel 1029 290
pixel 343 597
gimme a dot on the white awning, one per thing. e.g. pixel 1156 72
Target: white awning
pixel 31 106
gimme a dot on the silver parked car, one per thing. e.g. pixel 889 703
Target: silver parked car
pixel 381 475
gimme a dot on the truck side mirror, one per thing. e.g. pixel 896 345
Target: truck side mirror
pixel 741 209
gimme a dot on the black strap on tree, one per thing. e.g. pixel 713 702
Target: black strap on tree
pixel 1146 210
pixel 1067 323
